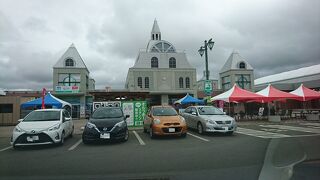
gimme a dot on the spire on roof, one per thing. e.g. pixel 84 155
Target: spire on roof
pixel 155 32
pixel 72 45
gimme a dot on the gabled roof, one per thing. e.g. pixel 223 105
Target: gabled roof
pixel 155 28
pixel 233 63
pixel 305 93
pixel 272 94
pixel 73 54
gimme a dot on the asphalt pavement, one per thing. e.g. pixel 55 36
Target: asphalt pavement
pixel 256 151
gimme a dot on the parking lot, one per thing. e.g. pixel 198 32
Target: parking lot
pixel 255 150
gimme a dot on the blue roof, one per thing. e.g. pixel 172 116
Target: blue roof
pixel 188 99
pixel 49 99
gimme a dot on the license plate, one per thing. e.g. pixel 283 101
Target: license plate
pixel 225 128
pixel 32 138
pixel 172 130
pixel 105 136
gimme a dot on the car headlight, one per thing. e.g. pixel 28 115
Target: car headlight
pixel 182 119
pixel 209 121
pixel 156 121
pixel 121 124
pixel 55 127
pixel 90 125
pixel 17 129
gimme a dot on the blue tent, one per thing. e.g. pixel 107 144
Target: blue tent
pixel 188 99
pixel 49 99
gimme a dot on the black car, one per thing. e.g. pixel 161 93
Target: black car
pixel 106 123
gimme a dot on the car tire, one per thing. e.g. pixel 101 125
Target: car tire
pixel 184 135
pixel 200 128
pixel 230 133
pixel 62 138
pixel 85 141
pixel 71 134
pixel 152 136
pixel 126 136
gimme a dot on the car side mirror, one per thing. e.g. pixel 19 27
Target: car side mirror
pixel 20 120
pixel 194 113
pixel 127 116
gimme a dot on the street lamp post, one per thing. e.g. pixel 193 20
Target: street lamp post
pixel 204 49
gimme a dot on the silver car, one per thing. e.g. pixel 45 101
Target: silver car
pixel 208 119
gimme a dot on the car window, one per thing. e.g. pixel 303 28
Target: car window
pixel 164 111
pixel 193 110
pixel 43 116
pixel 209 111
pixel 103 113
pixel 66 114
pixel 188 110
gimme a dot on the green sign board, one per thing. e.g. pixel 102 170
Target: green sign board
pixel 137 111
pixel 208 87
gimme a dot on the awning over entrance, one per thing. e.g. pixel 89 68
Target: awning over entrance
pixel 49 99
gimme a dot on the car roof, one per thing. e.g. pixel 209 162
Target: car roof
pixel 48 110
pixel 163 106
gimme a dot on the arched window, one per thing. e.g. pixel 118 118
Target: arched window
pixel 180 82
pixel 69 62
pixel 187 82
pixel 140 82
pixel 146 82
pixel 154 62
pixel 172 62
pixel 242 65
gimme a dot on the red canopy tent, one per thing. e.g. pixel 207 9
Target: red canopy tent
pixel 271 94
pixel 236 94
pixel 305 94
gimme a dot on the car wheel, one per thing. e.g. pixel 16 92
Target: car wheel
pixel 183 135
pixel 151 133
pixel 200 128
pixel 126 136
pixel 230 133
pixel 62 138
pixel 85 141
pixel 71 134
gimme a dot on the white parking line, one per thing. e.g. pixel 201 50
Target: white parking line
pixel 75 145
pixel 260 134
pixel 294 128
pixel 5 148
pixel 203 139
pixel 139 138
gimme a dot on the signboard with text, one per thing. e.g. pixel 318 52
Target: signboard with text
pixel 207 87
pixel 67 89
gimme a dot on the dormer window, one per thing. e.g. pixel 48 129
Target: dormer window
pixel 69 62
pixel 242 65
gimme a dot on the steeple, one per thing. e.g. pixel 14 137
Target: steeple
pixel 155 33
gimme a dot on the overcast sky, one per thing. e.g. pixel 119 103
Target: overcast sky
pixel 273 35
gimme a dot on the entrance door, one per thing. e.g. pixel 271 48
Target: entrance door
pixel 76 111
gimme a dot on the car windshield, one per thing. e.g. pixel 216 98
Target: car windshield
pixel 209 111
pixel 43 116
pixel 164 111
pixel 103 113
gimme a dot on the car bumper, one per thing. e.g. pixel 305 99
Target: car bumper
pixel 38 138
pixel 220 128
pixel 94 135
pixel 164 130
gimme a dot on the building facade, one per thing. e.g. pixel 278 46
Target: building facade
pixel 72 82
pixel 162 70
pixel 236 70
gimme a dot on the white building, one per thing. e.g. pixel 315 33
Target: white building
pixel 162 70
pixel 290 80
pixel 236 70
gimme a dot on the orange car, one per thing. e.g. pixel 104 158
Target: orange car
pixel 164 120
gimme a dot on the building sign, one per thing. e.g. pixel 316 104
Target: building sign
pixel 67 89
pixel 208 87
pixel 135 109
